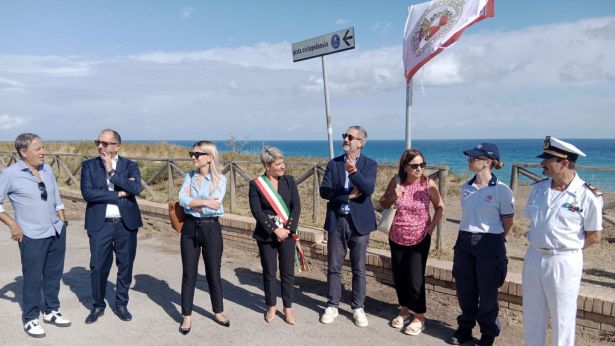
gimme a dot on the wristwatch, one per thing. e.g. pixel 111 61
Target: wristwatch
pixel 111 172
pixel 65 222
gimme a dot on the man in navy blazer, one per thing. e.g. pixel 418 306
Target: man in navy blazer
pixel 109 184
pixel 348 185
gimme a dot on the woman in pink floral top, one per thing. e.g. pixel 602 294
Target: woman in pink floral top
pixel 410 236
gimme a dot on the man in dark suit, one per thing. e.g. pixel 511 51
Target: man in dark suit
pixel 109 184
pixel 348 185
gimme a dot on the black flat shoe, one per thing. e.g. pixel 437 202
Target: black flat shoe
pixel 225 323
pixel 123 313
pixel 95 313
pixel 184 331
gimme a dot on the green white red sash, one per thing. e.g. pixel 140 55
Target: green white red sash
pixel 273 197
pixel 280 208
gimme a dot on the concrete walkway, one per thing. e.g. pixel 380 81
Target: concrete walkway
pixel 155 299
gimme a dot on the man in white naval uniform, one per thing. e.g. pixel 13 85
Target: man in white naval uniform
pixel 565 217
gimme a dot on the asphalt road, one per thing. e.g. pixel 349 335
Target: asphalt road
pixel 155 297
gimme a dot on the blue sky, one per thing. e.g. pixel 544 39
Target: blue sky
pixel 149 68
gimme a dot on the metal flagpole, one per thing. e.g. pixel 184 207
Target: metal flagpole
pixel 328 115
pixel 409 114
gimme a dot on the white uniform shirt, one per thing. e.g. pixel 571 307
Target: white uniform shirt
pixel 558 220
pixel 482 209
pixel 112 209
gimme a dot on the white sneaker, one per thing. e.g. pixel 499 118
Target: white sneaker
pixel 329 315
pixel 55 317
pixel 359 318
pixel 34 329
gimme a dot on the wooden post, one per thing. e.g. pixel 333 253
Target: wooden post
pixel 514 178
pixel 315 193
pixel 233 185
pixel 170 180
pixel 443 187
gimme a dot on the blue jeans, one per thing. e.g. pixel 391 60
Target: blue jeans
pixel 42 265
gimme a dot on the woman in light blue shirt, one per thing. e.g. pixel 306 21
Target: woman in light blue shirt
pixel 201 197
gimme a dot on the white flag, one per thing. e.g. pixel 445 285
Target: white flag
pixel 434 25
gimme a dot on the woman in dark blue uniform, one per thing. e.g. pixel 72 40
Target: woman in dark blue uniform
pixel 479 264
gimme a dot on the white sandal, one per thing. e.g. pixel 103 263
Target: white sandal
pixel 399 321
pixel 415 328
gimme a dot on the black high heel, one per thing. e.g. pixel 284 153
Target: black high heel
pixel 184 331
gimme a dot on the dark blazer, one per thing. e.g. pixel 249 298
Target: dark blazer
pixel 332 189
pixel 261 209
pixel 96 192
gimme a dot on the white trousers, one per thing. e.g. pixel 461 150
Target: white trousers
pixel 550 288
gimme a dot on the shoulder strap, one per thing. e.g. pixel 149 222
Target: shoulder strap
pixel 593 189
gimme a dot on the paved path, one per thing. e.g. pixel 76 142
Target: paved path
pixel 155 297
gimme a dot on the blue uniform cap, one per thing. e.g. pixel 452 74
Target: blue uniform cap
pixel 489 150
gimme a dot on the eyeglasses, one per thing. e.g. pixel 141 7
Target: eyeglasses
pixel 350 137
pixel 43 189
pixel 196 154
pixel 417 165
pixel 479 158
pixel 104 144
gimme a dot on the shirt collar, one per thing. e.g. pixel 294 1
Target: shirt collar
pixel 23 166
pixel 492 182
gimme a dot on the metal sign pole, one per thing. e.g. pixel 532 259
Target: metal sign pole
pixel 409 115
pixel 328 114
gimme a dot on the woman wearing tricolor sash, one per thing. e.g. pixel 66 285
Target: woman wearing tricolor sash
pixel 274 202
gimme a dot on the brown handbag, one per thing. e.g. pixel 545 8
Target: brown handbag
pixel 177 216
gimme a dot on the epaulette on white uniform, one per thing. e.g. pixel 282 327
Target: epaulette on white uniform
pixel 593 189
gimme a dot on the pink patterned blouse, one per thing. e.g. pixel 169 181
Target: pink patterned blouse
pixel 412 217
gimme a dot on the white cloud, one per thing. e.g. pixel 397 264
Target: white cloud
pixel 342 21
pixel 381 27
pixel 187 11
pixel 504 84
pixel 8 122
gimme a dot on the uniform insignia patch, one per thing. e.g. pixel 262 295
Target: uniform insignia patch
pixel 572 207
pixel 593 189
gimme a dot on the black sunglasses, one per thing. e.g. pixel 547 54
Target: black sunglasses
pixel 43 189
pixel 417 165
pixel 104 144
pixel 350 137
pixel 196 154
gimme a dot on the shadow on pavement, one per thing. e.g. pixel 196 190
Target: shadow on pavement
pixel 78 281
pixel 14 287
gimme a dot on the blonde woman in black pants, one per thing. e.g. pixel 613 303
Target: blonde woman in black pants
pixel 201 196
pixel 274 202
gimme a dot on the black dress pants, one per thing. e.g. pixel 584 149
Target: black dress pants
pixel 201 235
pixel 408 265
pixel 285 253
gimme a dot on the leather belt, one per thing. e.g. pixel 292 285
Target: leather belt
pixel 113 219
pixel 546 251
pixel 202 219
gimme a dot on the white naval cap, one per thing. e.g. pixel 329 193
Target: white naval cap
pixel 554 147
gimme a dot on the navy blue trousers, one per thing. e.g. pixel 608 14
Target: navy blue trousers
pixel 346 238
pixel 112 238
pixel 42 265
pixel 479 268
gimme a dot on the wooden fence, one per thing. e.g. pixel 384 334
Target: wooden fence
pixel 313 174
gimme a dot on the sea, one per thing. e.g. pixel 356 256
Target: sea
pixel 600 153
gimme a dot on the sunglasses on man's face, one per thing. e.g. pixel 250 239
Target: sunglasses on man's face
pixel 196 154
pixel 43 189
pixel 104 143
pixel 417 165
pixel 350 137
